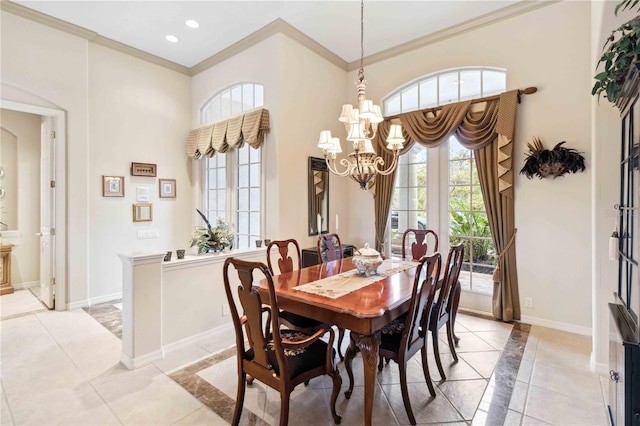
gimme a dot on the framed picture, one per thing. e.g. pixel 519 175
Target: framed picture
pixel 143 169
pixel 142 194
pixel 142 212
pixel 113 186
pixel 167 188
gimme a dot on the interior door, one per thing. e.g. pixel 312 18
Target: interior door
pixel 47 218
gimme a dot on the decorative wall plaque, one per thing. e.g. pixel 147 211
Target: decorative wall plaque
pixel 143 169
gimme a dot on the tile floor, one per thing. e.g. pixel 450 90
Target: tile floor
pixel 63 368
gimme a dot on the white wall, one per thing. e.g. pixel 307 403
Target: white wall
pixel 303 94
pixel 25 262
pixel 552 215
pixel 53 65
pixel 119 110
pixel 139 112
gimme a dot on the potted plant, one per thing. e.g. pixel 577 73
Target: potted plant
pixel 619 53
pixel 542 162
pixel 212 239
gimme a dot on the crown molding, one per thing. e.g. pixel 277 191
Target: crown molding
pixel 275 27
pixel 490 18
pixel 92 36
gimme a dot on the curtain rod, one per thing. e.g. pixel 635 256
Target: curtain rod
pixel 527 91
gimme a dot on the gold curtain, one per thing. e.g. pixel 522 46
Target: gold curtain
pixel 477 127
pixel 221 136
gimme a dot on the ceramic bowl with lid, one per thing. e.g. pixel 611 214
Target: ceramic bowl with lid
pixel 367 260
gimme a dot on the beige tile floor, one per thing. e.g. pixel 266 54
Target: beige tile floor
pixel 63 368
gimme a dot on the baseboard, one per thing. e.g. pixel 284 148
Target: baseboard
pixel 103 299
pixel 26 285
pixel 76 305
pixel 133 363
pixel 557 325
pixel 193 339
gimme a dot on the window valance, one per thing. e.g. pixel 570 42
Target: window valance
pixel 232 133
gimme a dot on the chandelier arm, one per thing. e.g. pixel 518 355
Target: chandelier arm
pixel 390 169
pixel 332 166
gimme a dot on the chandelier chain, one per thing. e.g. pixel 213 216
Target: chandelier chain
pixel 361 72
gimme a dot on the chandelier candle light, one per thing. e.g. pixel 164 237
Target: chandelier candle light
pixel 361 125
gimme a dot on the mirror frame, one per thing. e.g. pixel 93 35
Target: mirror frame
pixel 318 168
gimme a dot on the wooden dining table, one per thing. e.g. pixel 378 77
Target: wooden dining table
pixel 364 311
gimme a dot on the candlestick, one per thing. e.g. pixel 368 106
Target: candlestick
pixel 319 224
pixel 336 223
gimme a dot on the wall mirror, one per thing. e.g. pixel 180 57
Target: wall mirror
pixel 142 212
pixel 318 196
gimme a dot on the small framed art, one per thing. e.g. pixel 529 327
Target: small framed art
pixel 113 186
pixel 142 212
pixel 167 188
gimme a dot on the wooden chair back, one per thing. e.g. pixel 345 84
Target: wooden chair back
pixel 448 282
pixel 329 247
pixel 420 246
pixel 415 327
pixel 286 261
pixel 249 320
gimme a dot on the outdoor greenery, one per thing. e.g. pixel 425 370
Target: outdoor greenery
pixel 468 223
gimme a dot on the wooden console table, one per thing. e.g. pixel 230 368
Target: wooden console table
pixel 310 255
pixel 5 269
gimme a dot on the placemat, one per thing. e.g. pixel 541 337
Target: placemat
pixel 338 285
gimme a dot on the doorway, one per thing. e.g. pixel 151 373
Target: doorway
pixel 41 194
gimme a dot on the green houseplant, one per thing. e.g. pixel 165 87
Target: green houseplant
pixel 212 239
pixel 619 52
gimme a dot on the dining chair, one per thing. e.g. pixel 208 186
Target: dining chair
pixel 330 248
pixel 286 263
pixel 443 311
pixel 280 358
pixel 420 246
pixel 403 337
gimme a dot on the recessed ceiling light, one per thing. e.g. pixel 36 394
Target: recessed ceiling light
pixel 191 23
pixel 171 38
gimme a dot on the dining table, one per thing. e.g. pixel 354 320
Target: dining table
pixel 364 311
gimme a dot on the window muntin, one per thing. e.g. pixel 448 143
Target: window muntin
pixel 233 180
pixel 465 220
pixel 468 222
pixel 409 202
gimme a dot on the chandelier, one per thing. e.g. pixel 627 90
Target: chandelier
pixel 361 124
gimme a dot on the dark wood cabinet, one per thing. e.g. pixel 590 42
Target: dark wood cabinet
pixel 624 373
pixel 310 255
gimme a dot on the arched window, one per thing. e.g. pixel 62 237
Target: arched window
pixel 233 180
pixel 416 202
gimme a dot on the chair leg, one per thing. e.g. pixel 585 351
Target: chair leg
pixel 405 390
pixel 237 412
pixel 425 370
pixel 284 408
pixel 348 357
pixel 340 339
pixel 454 309
pixel 436 354
pixel 380 362
pixel 337 383
pixel 450 336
